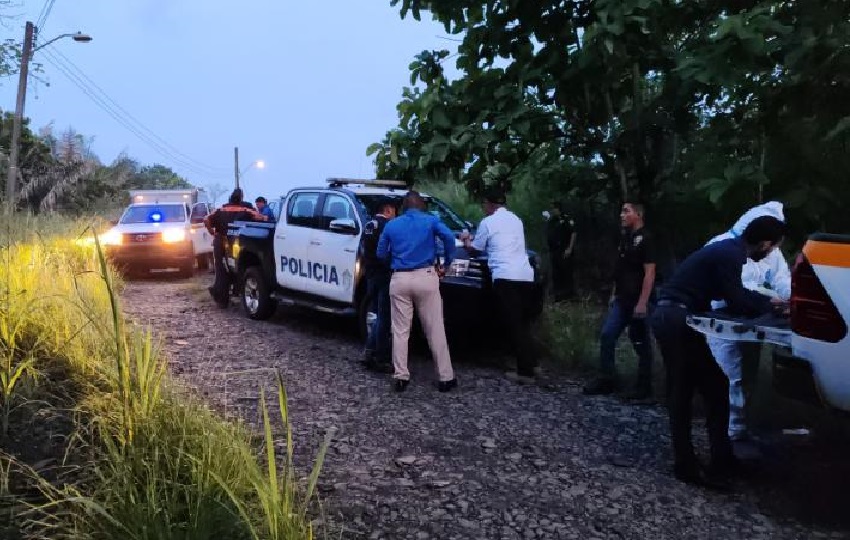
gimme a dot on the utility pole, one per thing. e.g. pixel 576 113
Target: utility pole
pixel 236 164
pixel 12 173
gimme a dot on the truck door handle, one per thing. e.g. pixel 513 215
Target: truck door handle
pixel 349 250
pixel 280 237
pixel 314 243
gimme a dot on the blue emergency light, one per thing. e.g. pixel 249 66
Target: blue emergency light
pixel 155 216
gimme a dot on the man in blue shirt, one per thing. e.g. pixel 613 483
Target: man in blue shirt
pixel 409 243
pixel 712 273
pixel 264 209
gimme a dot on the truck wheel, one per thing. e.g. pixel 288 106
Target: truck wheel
pixel 256 296
pixel 362 313
pixel 187 269
pixel 204 261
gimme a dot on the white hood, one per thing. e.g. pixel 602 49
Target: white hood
pixel 772 209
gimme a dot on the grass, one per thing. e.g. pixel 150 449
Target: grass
pixel 142 459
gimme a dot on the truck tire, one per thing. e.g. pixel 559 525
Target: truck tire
pixel 256 295
pixel 362 312
pixel 187 269
pixel 204 261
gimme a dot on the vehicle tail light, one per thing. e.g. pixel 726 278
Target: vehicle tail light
pixel 813 313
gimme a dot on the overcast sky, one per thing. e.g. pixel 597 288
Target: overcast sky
pixel 305 86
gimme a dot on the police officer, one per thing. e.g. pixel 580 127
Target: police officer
pixel 712 273
pixel 376 355
pixel 561 238
pixel 634 282
pixel 216 223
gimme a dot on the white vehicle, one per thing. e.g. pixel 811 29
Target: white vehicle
pixel 812 360
pixel 161 229
pixel 311 256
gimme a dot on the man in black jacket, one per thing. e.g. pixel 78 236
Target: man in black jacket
pixel 561 239
pixel 377 354
pixel 712 273
pixel 216 223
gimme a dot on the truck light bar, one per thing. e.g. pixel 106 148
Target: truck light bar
pixel 372 182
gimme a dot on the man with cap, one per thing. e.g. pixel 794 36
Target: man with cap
pixel 217 223
pixel 409 243
pixel 561 239
pixel 712 273
pixel 739 361
pixel 501 237
pixel 376 355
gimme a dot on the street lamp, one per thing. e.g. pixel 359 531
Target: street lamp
pixel 260 164
pixel 26 56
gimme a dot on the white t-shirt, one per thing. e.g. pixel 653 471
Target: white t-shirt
pixel 502 237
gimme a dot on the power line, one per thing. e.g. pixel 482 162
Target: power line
pixel 55 62
pixel 74 68
pixel 45 13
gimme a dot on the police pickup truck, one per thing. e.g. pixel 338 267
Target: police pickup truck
pixel 811 362
pixel 312 256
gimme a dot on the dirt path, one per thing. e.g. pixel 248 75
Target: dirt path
pixel 492 460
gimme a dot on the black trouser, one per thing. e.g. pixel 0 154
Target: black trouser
pixel 221 286
pixel 691 367
pixel 513 298
pixel 562 275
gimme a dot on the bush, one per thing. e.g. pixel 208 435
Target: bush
pixel 149 462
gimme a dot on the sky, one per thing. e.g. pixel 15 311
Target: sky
pixel 303 85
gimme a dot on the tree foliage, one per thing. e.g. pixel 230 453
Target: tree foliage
pixel 699 108
pixel 62 173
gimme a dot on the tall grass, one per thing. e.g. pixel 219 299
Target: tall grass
pixel 151 462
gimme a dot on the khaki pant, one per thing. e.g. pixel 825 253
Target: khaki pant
pixel 419 289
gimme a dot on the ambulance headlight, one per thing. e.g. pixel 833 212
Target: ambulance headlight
pixel 110 238
pixel 170 236
pixel 458 268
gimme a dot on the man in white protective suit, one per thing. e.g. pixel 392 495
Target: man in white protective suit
pixel 769 276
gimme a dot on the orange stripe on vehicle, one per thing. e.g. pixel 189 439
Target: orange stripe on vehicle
pixel 827 253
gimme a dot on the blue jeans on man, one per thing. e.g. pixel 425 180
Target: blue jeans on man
pixel 378 342
pixel 620 316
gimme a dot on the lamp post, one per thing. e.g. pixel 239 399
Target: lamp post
pixel 259 163
pixel 17 120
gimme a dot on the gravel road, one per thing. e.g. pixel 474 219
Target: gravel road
pixel 491 460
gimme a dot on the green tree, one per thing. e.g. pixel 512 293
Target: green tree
pixel 700 108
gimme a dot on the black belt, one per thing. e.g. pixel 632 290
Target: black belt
pixel 672 303
pixel 411 269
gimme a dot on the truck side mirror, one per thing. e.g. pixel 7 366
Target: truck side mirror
pixel 113 222
pixel 344 225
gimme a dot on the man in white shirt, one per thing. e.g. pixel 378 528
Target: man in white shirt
pixel 502 237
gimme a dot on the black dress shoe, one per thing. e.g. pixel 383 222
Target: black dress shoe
pixel 445 386
pixel 400 385
pixel 599 387
pixel 698 476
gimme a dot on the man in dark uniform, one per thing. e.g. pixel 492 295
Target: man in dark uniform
pixel 712 273
pixel 216 223
pixel 376 355
pixel 634 282
pixel 561 238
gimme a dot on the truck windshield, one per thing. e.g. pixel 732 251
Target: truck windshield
pixel 155 213
pixel 435 207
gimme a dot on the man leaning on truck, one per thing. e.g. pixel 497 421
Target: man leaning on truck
pixel 409 242
pixel 216 223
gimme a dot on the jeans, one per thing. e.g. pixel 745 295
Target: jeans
pixel 619 317
pixel 221 286
pixel 378 291
pixel 512 298
pixel 691 368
